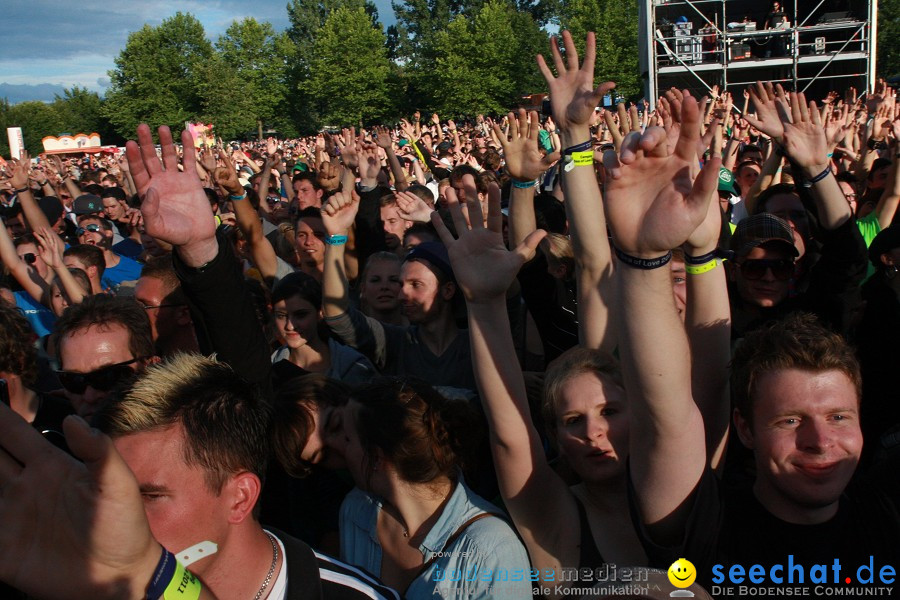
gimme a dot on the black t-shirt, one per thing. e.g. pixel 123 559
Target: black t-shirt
pixel 729 527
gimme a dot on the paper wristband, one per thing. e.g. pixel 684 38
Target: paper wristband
pixel 583 159
pixel 184 586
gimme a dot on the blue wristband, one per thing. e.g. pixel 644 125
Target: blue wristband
pixel 165 570
pixel 523 185
pixel 336 240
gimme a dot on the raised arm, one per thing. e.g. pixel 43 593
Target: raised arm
pixel 51 248
pixel 383 139
pixel 653 204
pixel 887 204
pixel 531 490
pixel 19 179
pixel 574 100
pixel 806 145
pixel 261 250
pixel 28 278
pixel 338 215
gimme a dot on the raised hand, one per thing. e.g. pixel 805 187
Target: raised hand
pixel 766 100
pixel 339 212
pixel 49 247
pixel 174 205
pixel 573 92
pixel 369 162
pixel 479 246
pixel 383 138
pixel 652 201
pixel 329 176
pixel 227 179
pixel 804 136
pixel 20 171
pixel 271 147
pixel 413 208
pixel 70 529
pixel 524 160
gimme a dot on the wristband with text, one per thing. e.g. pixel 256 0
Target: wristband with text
pixel 165 571
pixel 522 185
pixel 336 240
pixel 577 148
pixel 183 586
pixel 646 264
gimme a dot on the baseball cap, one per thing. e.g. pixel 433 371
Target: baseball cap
pixel 436 254
pixel 884 242
pixel 760 229
pixel 87 204
pixel 726 181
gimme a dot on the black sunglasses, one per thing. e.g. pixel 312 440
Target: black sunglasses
pixel 754 269
pixel 92 227
pixel 29 258
pixel 103 379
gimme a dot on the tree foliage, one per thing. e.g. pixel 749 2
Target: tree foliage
pixel 349 69
pixel 615 24
pixel 888 38
pixel 485 65
pixel 157 74
pixel 257 56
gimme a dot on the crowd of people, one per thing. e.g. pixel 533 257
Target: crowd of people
pixel 473 359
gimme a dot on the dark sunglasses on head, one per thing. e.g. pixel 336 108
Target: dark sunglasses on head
pixel 92 227
pixel 753 269
pixel 103 379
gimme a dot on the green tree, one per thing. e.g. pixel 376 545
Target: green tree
pixel 252 49
pixel 483 66
pixel 350 70
pixel 615 24
pixel 888 38
pixel 37 120
pixel 81 111
pixel 156 75
pixel 225 99
pixel 307 17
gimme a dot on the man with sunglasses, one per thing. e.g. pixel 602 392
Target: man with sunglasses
pixel 98 232
pixel 764 261
pixel 104 342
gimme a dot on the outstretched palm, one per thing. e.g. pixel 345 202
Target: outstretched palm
pixel 652 201
pixel 174 206
pixel 572 90
pixel 480 247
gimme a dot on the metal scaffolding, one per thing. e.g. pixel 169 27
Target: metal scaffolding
pixel 808 46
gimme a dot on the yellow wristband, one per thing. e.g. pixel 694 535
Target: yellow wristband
pixel 184 586
pixel 583 159
pixel 698 269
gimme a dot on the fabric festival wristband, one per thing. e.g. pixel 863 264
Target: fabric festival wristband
pixel 523 185
pixel 699 269
pixel 336 240
pixel 183 586
pixel 809 182
pixel 700 260
pixel 646 264
pixel 577 148
pixel 165 571
pixel 236 198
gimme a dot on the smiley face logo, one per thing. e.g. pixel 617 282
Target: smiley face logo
pixel 682 573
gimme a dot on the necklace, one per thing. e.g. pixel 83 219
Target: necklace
pixel 271 569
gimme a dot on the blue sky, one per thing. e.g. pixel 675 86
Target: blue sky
pixel 48 45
